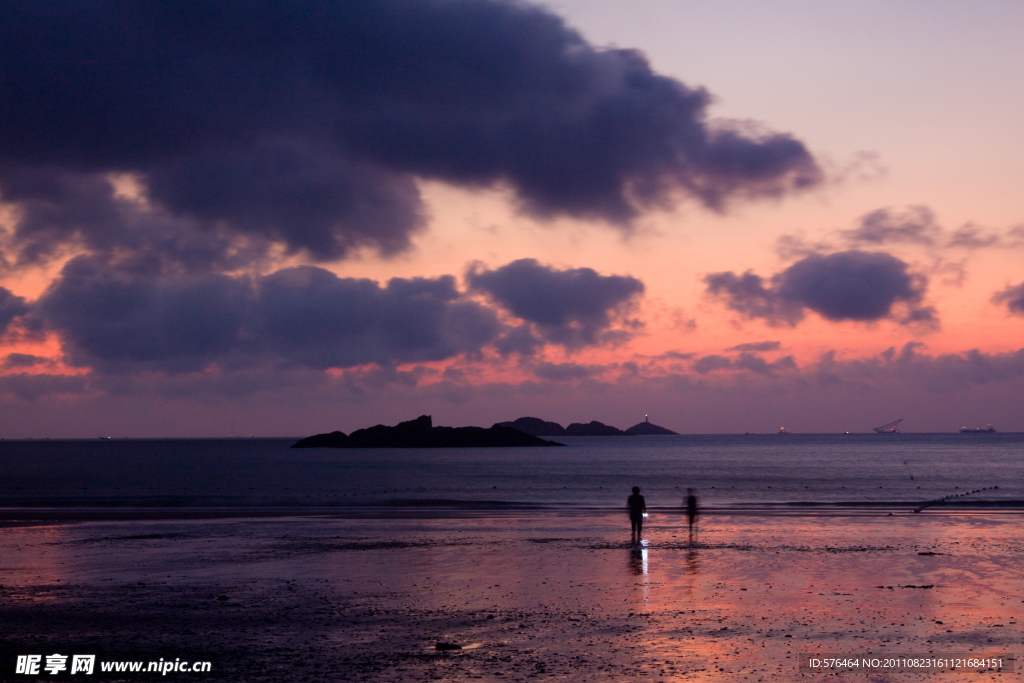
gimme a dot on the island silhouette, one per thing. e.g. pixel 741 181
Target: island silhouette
pixel 421 433
pixel 539 427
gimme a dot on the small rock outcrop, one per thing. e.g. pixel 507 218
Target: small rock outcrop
pixel 421 433
pixel 649 429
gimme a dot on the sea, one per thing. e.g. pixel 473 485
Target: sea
pixel 794 473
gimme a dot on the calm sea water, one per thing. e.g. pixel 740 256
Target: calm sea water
pixel 726 471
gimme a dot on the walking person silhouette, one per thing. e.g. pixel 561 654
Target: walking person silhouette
pixel 637 507
pixel 692 511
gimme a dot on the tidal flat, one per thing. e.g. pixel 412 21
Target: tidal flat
pixel 528 595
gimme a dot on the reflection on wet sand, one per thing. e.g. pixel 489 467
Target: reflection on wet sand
pixel 692 561
pixel 366 599
pixel 638 558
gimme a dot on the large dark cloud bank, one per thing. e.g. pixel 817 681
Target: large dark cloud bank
pixel 309 317
pixel 305 125
pixel 306 122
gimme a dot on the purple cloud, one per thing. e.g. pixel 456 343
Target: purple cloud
pixel 573 307
pixel 307 123
pixel 847 285
pixel 1012 297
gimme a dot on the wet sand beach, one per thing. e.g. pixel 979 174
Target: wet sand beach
pixel 527 595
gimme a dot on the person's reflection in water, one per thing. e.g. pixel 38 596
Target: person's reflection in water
pixel 637 508
pixel 692 561
pixel 692 570
pixel 638 558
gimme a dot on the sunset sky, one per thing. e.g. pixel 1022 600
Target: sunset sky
pixel 278 219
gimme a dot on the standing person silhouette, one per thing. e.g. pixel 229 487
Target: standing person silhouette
pixel 637 507
pixel 691 510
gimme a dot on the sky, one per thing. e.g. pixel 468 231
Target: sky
pixel 279 219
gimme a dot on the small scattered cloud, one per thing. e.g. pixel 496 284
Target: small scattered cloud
pixel 1012 297
pixel 940 373
pixel 863 167
pixel 757 346
pixel 912 226
pixel 915 224
pixel 747 361
pixel 848 285
pixel 669 355
pixel 791 247
pixel 706 364
pixel 972 237
pixel 918 225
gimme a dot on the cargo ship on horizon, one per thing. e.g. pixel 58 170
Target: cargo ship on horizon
pixel 989 429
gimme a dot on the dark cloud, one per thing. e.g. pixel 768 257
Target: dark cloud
pixel 288 191
pixel 57 208
pixel 756 346
pixel 745 361
pixel 33 387
pixel 940 373
pixel 560 372
pixel 320 320
pixel 23 360
pixel 707 364
pixel 748 295
pixel 1012 297
pixel 11 307
pixel 847 285
pixel 790 247
pixel 573 307
pixel 754 363
pixel 915 224
pixel 121 321
pixel 520 339
pixel 110 318
pixel 672 355
pixel 850 285
pixel 972 237
pixel 305 123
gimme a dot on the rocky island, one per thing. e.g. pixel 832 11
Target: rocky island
pixel 649 429
pixel 421 433
pixel 539 427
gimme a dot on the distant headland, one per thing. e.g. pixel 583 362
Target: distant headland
pixel 421 433
pixel 539 427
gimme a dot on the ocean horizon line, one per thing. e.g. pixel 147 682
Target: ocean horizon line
pixel 589 438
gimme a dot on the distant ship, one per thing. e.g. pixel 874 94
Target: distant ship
pixel 782 430
pixel 889 428
pixel 989 429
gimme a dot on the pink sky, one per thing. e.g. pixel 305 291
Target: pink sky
pixel 912 112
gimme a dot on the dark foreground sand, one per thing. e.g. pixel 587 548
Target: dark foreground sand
pixel 529 596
